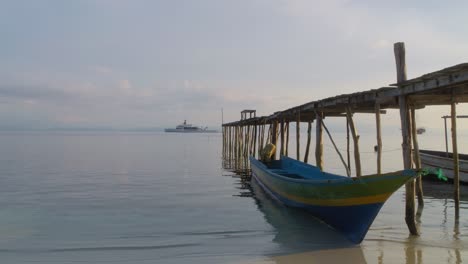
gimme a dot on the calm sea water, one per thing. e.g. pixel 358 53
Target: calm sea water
pixel 79 197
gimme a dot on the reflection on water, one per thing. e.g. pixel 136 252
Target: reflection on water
pixel 296 230
pixel 412 251
pixel 304 239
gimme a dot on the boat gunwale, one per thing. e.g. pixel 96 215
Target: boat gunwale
pixel 463 158
pixel 343 179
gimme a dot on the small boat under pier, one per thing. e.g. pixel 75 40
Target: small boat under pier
pixel 347 204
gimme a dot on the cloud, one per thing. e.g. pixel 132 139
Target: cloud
pixel 125 87
pixel 101 69
pixel 31 92
pixel 189 61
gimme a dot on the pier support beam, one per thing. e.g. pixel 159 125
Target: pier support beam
pixel 319 141
pixel 357 157
pixel 247 142
pixel 399 50
pixel 287 139
pixel 237 148
pixel 274 134
pixel 379 138
pixel 456 166
pixel 255 140
pixel 309 130
pixel 348 156
pixel 282 137
pixel 298 131
pixel 417 161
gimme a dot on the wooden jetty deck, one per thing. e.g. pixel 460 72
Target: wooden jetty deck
pixel 448 86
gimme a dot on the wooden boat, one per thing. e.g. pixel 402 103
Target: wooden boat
pixel 349 205
pixel 444 160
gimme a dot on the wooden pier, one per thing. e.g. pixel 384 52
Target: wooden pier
pixel 448 86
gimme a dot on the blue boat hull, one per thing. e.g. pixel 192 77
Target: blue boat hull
pixel 352 214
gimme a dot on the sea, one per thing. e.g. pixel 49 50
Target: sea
pixel 155 197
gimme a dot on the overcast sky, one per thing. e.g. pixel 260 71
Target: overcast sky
pixel 132 64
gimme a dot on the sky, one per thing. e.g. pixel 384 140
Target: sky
pixel 140 64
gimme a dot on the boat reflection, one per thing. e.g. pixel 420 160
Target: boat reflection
pixel 299 231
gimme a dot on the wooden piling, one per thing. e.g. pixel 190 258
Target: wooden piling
pixel 357 155
pixel 287 139
pixel 241 148
pixel 274 139
pixel 456 166
pixel 446 138
pixel 255 140
pixel 379 138
pixel 282 138
pixel 248 140
pixel 261 144
pixel 309 130
pixel 223 133
pixel 252 140
pixel 231 142
pixel 298 131
pixel 269 133
pixel 417 160
pixel 228 157
pixel 236 145
pixel 319 141
pixel 399 50
pixel 348 156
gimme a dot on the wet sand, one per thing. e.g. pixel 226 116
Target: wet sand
pixel 379 251
pixel 442 239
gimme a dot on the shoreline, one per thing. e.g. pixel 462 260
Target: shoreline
pixel 376 251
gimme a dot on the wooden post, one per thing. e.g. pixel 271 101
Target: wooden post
pixel 247 148
pixel 456 168
pixel 379 138
pixel 399 50
pixel 241 147
pixel 261 144
pixel 298 130
pixel 446 138
pixel 228 151
pixel 223 131
pixel 269 133
pixel 230 144
pixel 319 141
pixel 357 157
pixel 241 152
pixel 274 133
pixel 282 138
pixel 348 156
pixel 309 129
pixel 236 145
pixel 251 139
pixel 226 141
pixel 248 141
pixel 417 160
pixel 287 139
pixel 255 140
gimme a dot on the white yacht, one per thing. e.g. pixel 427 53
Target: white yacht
pixel 189 128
